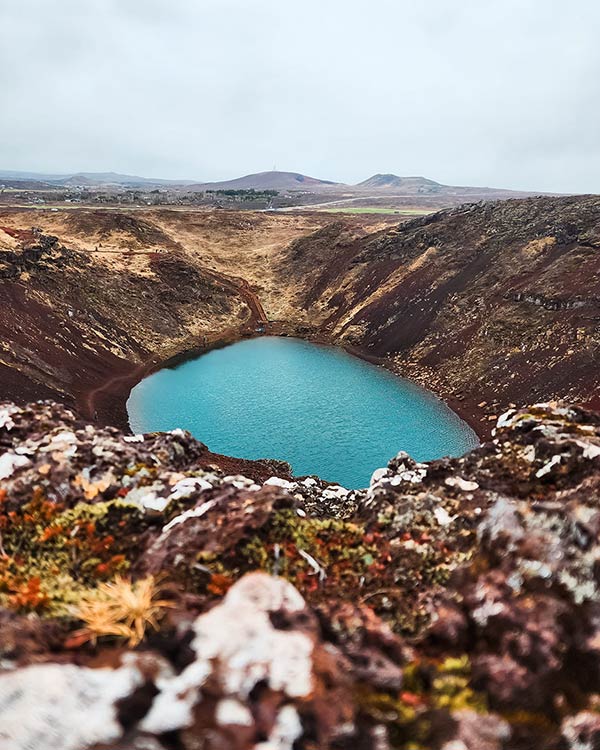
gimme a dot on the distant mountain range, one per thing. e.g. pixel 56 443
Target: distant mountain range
pixel 273 180
pixel 88 178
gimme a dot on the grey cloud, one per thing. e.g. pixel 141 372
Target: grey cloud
pixel 493 92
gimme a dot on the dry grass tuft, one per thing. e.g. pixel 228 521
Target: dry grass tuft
pixel 120 608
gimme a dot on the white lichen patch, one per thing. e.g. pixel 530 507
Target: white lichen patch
pixel 384 479
pixel 232 712
pixel 6 417
pixel 461 484
pixel 504 420
pixel 10 462
pixel 547 467
pixel 443 517
pixel 187 486
pixel 64 444
pixel 286 731
pixel 148 498
pixel 590 450
pixel 178 432
pixel 334 492
pixel 133 438
pixel 237 645
pixel 62 706
pixel 192 513
pixel 241 483
pixel 278 482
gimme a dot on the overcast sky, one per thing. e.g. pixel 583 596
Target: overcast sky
pixel 503 93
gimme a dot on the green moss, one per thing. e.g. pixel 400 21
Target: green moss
pixel 316 555
pixel 333 557
pixel 428 686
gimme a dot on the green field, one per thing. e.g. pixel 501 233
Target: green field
pixel 377 210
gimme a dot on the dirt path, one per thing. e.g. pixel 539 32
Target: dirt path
pixel 240 286
pixel 91 396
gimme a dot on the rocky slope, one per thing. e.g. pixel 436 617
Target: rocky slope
pixel 69 324
pixel 496 303
pixel 450 605
pixel 90 300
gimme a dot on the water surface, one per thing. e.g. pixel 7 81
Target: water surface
pixel 321 409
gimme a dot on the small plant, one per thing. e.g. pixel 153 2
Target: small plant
pixel 120 608
pixel 28 596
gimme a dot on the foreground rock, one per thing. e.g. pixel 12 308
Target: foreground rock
pixel 147 602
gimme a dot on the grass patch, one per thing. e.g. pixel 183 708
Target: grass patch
pixel 378 210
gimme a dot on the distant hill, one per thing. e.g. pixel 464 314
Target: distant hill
pixel 268 181
pixel 424 188
pixel 114 178
pixel 90 179
pixel 389 181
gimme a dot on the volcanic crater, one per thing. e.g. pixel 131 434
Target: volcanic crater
pixel 157 596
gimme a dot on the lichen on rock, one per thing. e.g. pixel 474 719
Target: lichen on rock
pixel 450 604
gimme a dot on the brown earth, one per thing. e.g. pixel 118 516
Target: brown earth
pixel 488 305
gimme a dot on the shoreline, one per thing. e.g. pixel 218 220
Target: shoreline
pixel 107 404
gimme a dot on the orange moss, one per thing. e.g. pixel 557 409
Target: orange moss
pixel 28 595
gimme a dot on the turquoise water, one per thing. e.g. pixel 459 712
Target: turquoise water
pixel 325 411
